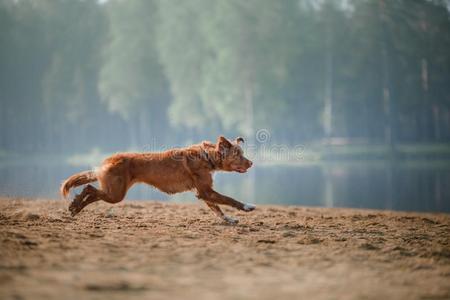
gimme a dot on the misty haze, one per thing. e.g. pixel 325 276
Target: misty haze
pixel 359 88
pixel 344 106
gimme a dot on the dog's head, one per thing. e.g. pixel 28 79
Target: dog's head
pixel 232 155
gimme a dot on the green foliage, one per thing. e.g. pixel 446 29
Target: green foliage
pixel 182 50
pixel 124 72
pixel 71 30
pixel 131 77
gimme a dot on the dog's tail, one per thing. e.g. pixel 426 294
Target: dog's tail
pixel 76 180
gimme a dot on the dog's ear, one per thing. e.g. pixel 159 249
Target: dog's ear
pixel 239 140
pixel 223 145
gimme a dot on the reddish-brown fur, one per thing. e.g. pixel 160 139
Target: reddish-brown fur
pixel 172 171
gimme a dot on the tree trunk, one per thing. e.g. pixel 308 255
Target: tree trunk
pixel 425 107
pixel 385 80
pixel 328 97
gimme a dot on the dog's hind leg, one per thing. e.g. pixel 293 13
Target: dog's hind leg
pixel 216 209
pixel 91 194
pixel 76 204
pixel 89 199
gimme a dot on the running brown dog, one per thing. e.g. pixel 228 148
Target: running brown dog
pixel 172 171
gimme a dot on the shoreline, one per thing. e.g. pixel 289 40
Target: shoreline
pixel 169 250
pixel 198 203
pixel 312 153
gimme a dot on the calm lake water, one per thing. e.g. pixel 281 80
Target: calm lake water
pixel 408 186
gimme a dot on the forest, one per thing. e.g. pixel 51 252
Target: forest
pixel 115 75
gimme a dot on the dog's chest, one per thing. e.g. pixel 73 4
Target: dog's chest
pixel 172 183
pixel 177 187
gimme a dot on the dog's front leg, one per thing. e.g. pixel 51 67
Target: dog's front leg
pixel 216 209
pixel 212 197
pixel 208 194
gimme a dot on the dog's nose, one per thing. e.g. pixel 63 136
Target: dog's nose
pixel 250 163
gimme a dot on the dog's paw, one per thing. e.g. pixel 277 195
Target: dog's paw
pixel 75 205
pixel 248 207
pixel 73 211
pixel 74 208
pixel 230 220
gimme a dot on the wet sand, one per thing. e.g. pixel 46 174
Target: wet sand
pixel 159 250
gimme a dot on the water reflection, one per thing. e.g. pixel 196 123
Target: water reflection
pixel 380 185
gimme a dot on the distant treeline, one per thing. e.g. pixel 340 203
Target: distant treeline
pixel 78 74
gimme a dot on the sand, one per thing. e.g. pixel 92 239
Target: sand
pixel 156 250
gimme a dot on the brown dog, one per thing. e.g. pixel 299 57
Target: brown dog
pixel 172 171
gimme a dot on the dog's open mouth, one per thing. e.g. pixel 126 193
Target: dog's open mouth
pixel 241 170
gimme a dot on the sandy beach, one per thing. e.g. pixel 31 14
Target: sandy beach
pixel 157 250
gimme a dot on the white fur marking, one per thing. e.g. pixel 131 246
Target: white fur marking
pixel 96 170
pixel 230 220
pixel 249 207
